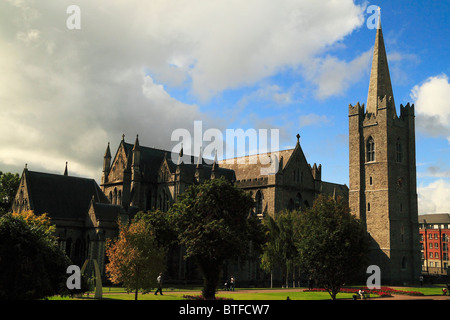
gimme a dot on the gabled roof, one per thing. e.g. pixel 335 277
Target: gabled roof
pixel 60 196
pixel 249 167
pixel 151 160
pixel 435 218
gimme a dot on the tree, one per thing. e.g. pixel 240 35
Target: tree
pixel 280 250
pixel 158 222
pixel 135 259
pixel 31 264
pixel 332 244
pixel 9 182
pixel 213 223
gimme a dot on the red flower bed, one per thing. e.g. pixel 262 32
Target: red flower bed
pixel 200 297
pixel 382 292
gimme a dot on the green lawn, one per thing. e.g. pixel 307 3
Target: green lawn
pixel 114 293
pixel 176 294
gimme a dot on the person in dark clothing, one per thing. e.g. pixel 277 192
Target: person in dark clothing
pixel 159 280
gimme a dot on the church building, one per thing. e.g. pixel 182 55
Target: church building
pixel 382 191
pixel 382 171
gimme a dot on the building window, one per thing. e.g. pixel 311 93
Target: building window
pixel 258 200
pixel 370 180
pixel 291 205
pixel 298 201
pixel 399 151
pixel 370 149
pixel 368 206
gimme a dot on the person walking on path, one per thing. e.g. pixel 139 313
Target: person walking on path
pixel 159 281
pixel 232 283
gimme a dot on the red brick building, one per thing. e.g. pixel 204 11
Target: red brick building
pixel 435 242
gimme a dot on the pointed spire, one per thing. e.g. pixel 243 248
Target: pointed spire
pixel 380 80
pixel 136 144
pixel 200 158
pixel 180 155
pixel 107 152
pixel 215 163
pixel 66 173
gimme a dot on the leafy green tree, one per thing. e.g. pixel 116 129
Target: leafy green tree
pixel 9 182
pixel 158 222
pixel 332 244
pixel 213 223
pixel 280 250
pixel 31 264
pixel 135 259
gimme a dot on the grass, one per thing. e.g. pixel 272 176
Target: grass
pixel 115 293
pixel 239 294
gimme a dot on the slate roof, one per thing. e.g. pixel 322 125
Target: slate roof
pixel 249 167
pixel 151 159
pixel 61 197
pixel 435 218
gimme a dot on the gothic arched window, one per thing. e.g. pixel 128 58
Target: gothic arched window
pixel 370 149
pixel 258 200
pixel 298 201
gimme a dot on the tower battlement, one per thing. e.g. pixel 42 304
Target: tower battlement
pixel 382 174
pixel 407 111
pixel 357 109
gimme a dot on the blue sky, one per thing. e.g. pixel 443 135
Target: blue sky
pixel 149 68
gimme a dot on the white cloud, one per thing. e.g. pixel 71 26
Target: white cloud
pixel 333 76
pixel 313 119
pixel 432 106
pixel 66 93
pixel 433 198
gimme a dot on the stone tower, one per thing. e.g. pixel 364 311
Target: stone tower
pixel 382 171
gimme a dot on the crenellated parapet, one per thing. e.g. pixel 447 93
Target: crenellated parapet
pixel 355 110
pixel 407 111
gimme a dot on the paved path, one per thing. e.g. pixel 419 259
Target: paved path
pixel 394 296
pixel 406 297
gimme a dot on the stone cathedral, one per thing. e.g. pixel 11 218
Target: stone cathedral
pixel 382 171
pixel 382 191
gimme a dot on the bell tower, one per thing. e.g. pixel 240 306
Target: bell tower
pixel 382 175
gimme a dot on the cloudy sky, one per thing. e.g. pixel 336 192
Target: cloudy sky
pixel 151 67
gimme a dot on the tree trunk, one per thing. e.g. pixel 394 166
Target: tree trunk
pixel 136 294
pixel 211 276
